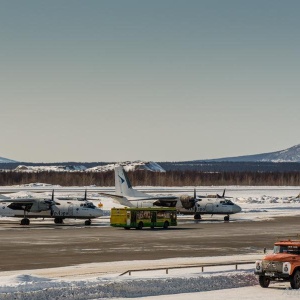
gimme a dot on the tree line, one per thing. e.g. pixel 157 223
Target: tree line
pixel 146 178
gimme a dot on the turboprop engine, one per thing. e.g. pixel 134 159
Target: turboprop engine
pixel 187 201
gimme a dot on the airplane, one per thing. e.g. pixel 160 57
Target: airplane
pixel 197 205
pixel 58 209
pixel 209 204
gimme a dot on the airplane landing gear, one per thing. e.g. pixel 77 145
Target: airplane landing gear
pixel 88 222
pixel 226 218
pixel 25 221
pixel 197 216
pixel 58 221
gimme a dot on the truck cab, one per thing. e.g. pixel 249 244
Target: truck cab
pixel 282 265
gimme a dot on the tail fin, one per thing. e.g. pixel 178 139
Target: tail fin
pixel 123 185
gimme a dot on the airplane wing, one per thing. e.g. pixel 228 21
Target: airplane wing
pixel 162 198
pixel 23 201
pixel 28 204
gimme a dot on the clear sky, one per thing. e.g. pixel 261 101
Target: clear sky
pixel 160 80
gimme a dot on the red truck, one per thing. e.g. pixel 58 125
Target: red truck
pixel 282 265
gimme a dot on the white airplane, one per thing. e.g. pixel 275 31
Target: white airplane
pixel 209 205
pixel 58 209
pixel 197 205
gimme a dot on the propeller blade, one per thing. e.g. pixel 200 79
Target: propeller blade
pixel 85 195
pixel 195 195
pixel 223 193
pixel 52 197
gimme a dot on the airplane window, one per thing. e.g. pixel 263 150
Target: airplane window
pixel 228 202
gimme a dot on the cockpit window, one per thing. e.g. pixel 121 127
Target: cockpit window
pixel 90 205
pixel 228 202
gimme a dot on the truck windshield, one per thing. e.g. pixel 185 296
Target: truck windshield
pixel 286 249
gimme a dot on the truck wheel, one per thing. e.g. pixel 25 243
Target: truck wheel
pixel 166 225
pixel 295 280
pixel 264 281
pixel 140 225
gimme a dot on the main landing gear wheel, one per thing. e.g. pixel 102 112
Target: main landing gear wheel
pixel 25 221
pixel 88 222
pixel 58 221
pixel 197 217
pixel 226 218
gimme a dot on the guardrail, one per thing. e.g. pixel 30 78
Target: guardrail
pixel 202 266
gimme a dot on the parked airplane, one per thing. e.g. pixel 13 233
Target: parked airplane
pixel 213 204
pixel 210 204
pixel 58 209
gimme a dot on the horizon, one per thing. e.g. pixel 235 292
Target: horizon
pixel 161 80
pixel 111 162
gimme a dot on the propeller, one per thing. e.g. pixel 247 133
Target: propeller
pixel 51 202
pixel 188 201
pixel 223 195
pixel 85 195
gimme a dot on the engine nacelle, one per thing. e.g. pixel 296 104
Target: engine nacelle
pixel 187 202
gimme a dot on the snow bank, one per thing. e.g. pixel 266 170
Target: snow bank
pixel 37 288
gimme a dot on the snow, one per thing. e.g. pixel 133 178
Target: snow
pixel 66 282
pixel 275 292
pixel 62 168
pixel 28 284
pixel 130 166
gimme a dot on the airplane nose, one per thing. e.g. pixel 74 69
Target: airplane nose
pixel 100 213
pixel 237 209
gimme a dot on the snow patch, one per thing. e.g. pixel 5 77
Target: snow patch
pixel 130 166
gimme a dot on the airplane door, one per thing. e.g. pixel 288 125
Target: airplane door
pixel 209 208
pixel 70 210
pixel 128 218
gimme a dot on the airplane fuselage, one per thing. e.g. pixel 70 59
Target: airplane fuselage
pixel 65 209
pixel 212 206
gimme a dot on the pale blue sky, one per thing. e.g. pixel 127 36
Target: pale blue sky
pixel 154 80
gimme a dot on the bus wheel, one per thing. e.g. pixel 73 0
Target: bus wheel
pixel 140 225
pixel 166 225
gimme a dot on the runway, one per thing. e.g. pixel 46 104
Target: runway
pixel 47 245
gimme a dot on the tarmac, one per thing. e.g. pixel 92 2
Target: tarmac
pixel 40 245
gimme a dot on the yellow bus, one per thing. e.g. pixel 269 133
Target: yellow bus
pixel 138 218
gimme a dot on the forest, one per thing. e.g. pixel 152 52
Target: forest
pixel 147 178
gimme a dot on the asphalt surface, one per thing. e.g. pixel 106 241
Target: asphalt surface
pixel 48 245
